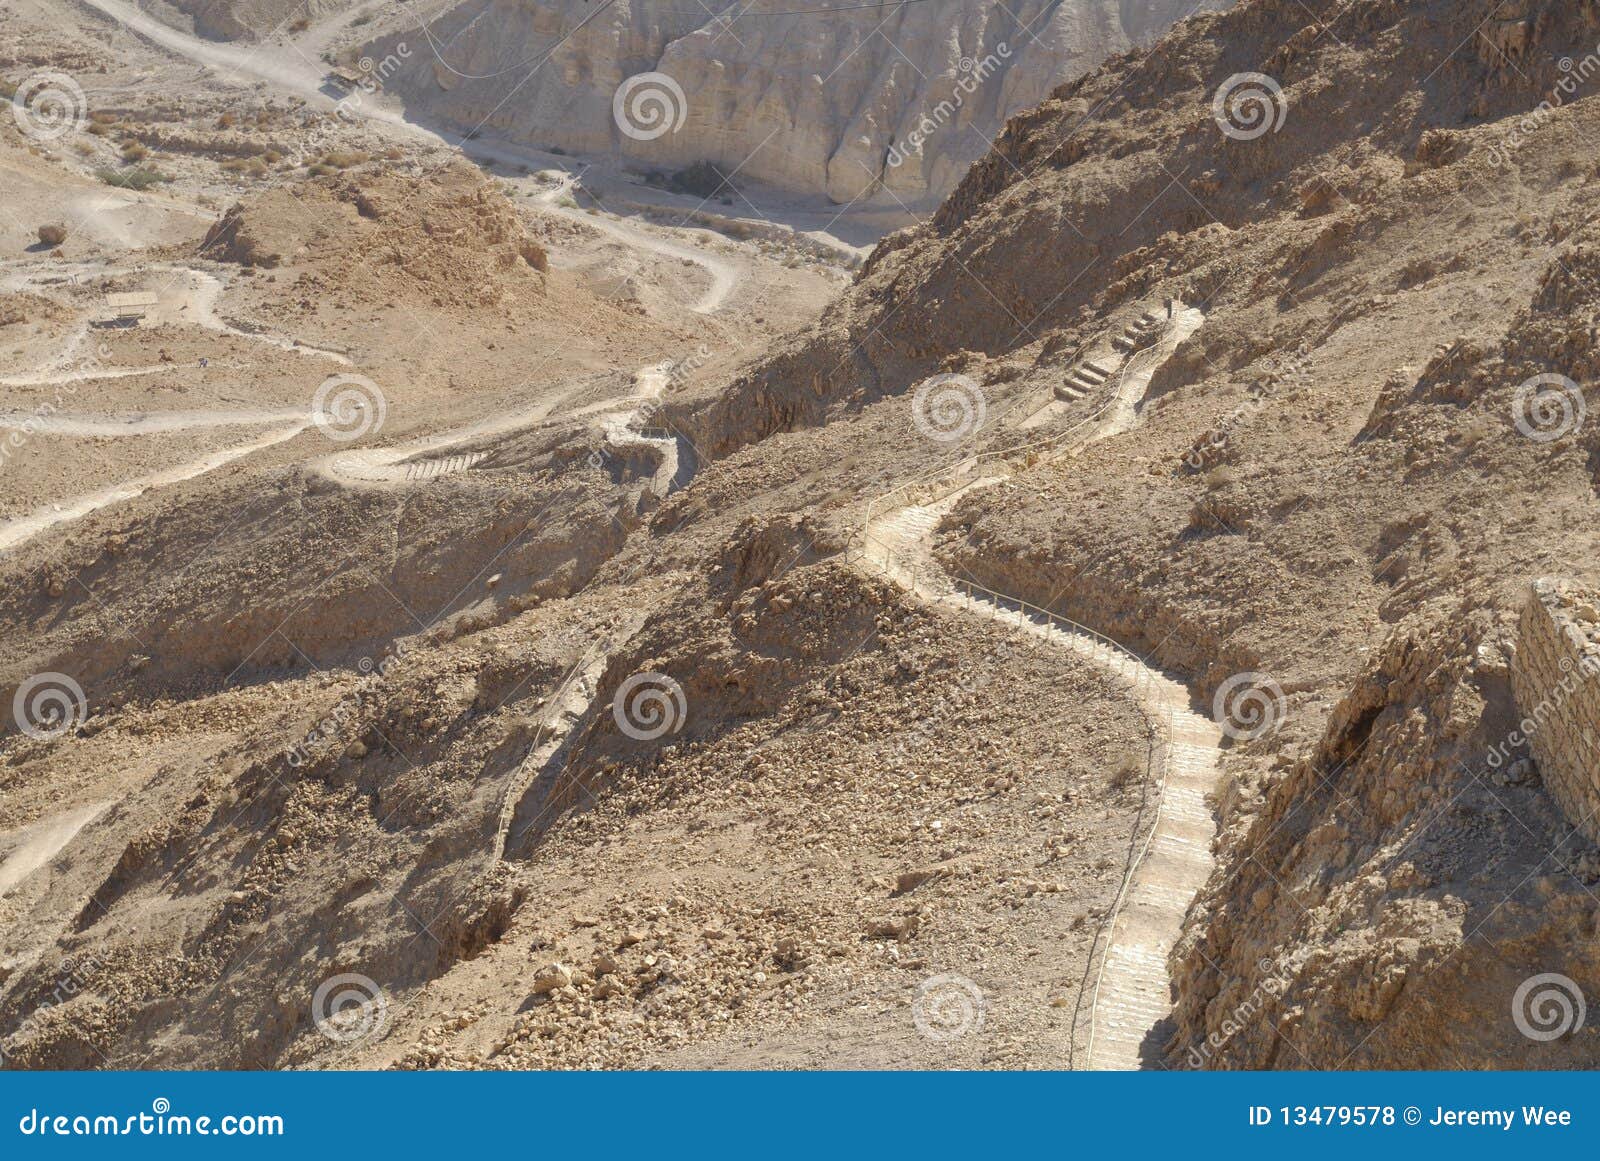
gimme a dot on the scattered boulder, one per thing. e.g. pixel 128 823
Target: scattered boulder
pixel 896 927
pixel 908 881
pixel 550 978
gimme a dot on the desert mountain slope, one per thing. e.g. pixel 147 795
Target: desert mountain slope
pixel 1340 484
pixel 1296 408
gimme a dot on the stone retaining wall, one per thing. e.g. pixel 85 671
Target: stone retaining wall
pixel 1555 676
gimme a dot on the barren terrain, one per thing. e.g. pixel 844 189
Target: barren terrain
pixel 466 609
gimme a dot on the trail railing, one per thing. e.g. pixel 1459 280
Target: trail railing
pixel 1159 720
pixel 968 466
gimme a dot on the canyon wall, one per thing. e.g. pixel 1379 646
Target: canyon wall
pixel 862 103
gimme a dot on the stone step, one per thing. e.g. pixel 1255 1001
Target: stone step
pixel 1137 955
pixel 1168 897
pixel 1068 392
pixel 1134 991
pixel 1132 1012
pixel 1136 1001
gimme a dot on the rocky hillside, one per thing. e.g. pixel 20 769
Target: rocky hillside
pixel 886 104
pixel 380 732
pixel 244 19
pixel 1340 486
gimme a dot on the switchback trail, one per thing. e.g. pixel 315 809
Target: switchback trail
pixel 1132 993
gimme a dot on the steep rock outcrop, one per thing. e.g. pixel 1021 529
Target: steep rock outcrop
pixel 886 104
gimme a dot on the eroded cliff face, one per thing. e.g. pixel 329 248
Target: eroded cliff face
pixel 865 104
pixel 250 20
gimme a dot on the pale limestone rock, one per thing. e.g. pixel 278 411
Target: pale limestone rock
pixel 880 106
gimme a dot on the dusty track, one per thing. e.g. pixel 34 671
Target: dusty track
pixel 1132 994
pixel 43 519
pixel 25 850
pixel 141 423
pixel 577 690
pixel 417 461
pixel 286 69
pixel 725 275
pixel 290 69
pixel 201 296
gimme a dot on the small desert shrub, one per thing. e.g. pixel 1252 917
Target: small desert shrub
pixel 343 160
pixel 135 179
pixel 1477 428
pixel 533 254
pixel 1128 773
pixel 1416 272
pixel 135 151
pixel 249 166
pixel 1438 147
pixel 1318 196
